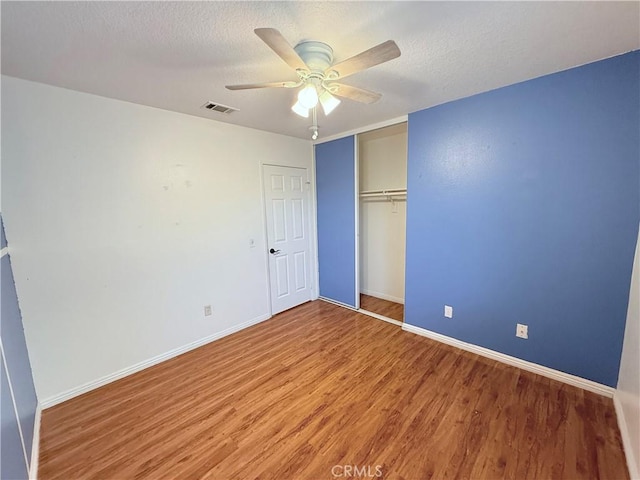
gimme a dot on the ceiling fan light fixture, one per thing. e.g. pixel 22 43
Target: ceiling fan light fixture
pixel 308 96
pixel 317 73
pixel 328 102
pixel 300 109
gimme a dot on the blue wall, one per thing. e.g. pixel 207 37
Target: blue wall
pixel 335 186
pixel 523 207
pixel 17 371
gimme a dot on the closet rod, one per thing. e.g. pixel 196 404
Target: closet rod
pixel 384 193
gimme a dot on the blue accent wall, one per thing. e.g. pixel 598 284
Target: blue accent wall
pixel 20 377
pixel 335 186
pixel 523 207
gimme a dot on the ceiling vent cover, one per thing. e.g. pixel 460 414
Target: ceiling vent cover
pixel 217 107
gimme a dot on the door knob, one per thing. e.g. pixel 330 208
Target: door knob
pixel 274 251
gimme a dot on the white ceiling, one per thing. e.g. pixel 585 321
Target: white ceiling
pixel 178 55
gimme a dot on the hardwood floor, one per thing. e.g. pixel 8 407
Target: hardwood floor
pixel 320 389
pixel 382 307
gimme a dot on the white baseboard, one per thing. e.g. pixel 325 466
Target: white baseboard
pixel 74 392
pixel 516 362
pixel 632 460
pixel 35 445
pixel 383 296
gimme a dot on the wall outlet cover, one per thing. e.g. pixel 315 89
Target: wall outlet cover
pixel 522 331
pixel 448 311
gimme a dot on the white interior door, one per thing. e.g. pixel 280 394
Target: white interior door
pixel 287 212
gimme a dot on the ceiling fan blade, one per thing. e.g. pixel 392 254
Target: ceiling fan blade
pixel 248 86
pixel 354 93
pixel 274 39
pixel 374 56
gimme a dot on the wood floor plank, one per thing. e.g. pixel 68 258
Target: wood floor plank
pixel 382 307
pixel 320 387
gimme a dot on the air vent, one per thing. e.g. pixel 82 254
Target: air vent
pixel 216 107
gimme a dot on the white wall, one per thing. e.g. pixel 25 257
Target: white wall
pixel 628 393
pixel 124 221
pixel 382 156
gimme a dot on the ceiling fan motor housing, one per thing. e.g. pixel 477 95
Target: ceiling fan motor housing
pixel 317 56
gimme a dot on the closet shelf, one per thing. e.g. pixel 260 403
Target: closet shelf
pixel 392 192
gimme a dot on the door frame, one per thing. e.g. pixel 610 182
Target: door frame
pixel 357 181
pixel 355 133
pixel 356 176
pixel 312 260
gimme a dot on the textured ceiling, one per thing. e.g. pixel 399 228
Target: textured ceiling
pixel 178 55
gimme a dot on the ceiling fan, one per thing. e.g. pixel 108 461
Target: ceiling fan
pixel 317 75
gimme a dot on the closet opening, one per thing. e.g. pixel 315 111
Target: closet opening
pixel 382 214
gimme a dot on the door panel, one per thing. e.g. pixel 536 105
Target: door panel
pixel 12 461
pixel 336 192
pixel 300 270
pixel 282 271
pixel 287 212
pixel 296 183
pixel 279 220
pixel 297 207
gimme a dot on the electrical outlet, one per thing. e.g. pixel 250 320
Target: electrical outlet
pixel 448 311
pixel 207 310
pixel 522 331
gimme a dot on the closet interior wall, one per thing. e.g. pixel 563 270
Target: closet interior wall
pixel 382 165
